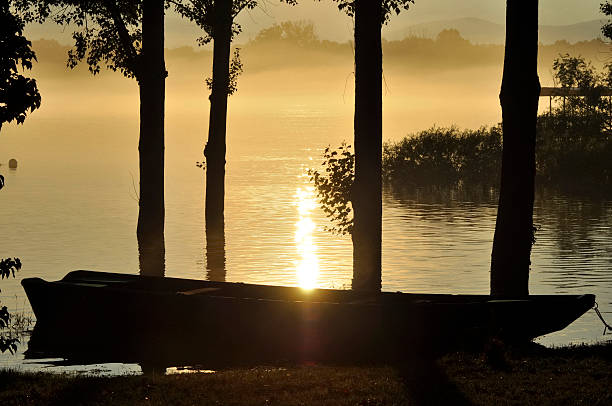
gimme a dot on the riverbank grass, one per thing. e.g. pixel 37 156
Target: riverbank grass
pixel 537 376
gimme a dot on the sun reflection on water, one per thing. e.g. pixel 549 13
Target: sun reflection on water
pixel 307 266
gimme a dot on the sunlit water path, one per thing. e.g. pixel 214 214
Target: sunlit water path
pixel 72 204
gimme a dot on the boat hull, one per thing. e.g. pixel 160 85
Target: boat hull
pixel 173 318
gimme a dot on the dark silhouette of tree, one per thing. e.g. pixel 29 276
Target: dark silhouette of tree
pixel 127 36
pixel 8 267
pixel 151 81
pixel 19 96
pixel 520 90
pixel 216 19
pixel 366 195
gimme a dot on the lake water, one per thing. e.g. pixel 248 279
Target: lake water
pixel 72 204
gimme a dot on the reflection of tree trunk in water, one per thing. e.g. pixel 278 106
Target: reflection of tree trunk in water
pixel 366 196
pixel 510 258
pixel 215 253
pixel 151 80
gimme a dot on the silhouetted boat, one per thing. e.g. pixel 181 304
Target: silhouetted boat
pixel 171 316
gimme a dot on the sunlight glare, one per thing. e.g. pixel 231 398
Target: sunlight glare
pixel 307 267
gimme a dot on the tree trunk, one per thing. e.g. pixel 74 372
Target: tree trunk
pixel 151 79
pixel 215 147
pixel 366 196
pixel 520 89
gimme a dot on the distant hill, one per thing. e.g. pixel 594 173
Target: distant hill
pixel 480 31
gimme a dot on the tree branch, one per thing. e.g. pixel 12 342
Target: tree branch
pixel 124 36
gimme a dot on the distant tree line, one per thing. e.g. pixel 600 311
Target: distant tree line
pixel 268 50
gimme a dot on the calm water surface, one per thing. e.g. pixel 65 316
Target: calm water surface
pixel 72 204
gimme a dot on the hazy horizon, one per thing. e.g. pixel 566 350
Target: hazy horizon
pixel 443 81
pixel 331 24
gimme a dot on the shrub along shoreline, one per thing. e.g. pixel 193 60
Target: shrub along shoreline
pixel 442 156
pixel 567 156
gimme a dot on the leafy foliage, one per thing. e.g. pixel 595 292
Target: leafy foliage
pixel 98 45
pixel 444 156
pixel 201 12
pixel 388 6
pixel 235 69
pixel 568 155
pixel 297 33
pixel 573 72
pixel 107 31
pixel 8 343
pixel 8 267
pixel 18 94
pixel 334 187
pixel 587 111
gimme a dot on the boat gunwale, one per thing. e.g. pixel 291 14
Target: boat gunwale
pixel 112 282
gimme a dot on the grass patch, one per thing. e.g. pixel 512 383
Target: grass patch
pixel 255 386
pixel 562 376
pixel 540 376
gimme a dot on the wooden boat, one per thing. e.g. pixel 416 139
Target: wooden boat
pixel 240 319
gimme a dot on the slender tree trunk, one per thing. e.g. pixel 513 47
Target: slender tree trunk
pixel 520 89
pixel 151 79
pixel 366 195
pixel 215 147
